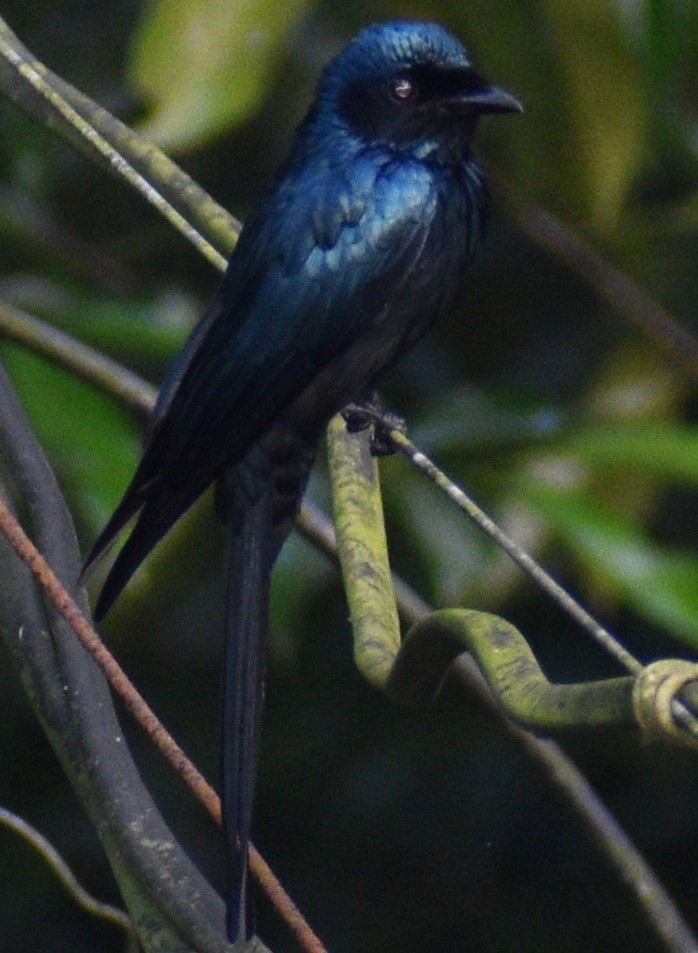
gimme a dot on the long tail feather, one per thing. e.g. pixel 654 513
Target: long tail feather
pixel 249 568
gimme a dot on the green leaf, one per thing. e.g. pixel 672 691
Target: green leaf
pixel 92 443
pixel 658 582
pixel 604 94
pixel 662 450
pixel 468 421
pixel 582 140
pixel 204 67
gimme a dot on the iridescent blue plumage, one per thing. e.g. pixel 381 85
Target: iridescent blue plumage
pixel 345 264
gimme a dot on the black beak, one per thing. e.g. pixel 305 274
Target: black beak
pixel 487 99
pixel 493 100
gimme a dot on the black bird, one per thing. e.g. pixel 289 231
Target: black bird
pixel 345 264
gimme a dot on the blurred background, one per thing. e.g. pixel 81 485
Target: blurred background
pixel 394 831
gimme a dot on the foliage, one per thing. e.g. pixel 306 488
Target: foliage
pixel 574 428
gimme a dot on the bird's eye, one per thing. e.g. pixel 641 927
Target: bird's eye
pixel 402 88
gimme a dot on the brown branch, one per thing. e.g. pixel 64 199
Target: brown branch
pixel 621 292
pixel 148 720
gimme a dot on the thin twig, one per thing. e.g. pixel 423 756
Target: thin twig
pixel 607 833
pixel 148 720
pixel 85 900
pixel 685 715
pixel 317 527
pixel 620 291
pixel 83 361
pixel 381 655
pixel 32 74
pixel 113 143
pixel 529 565
pixel 105 148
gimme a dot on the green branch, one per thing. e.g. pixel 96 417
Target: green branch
pixel 437 644
pixel 115 147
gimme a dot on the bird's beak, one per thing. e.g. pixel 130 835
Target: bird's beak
pixel 489 99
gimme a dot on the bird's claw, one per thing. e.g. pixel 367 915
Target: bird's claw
pixel 359 417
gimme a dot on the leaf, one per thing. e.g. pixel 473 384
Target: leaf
pixel 204 67
pixel 662 450
pixel 469 421
pixel 658 582
pixel 91 442
pixel 582 140
pixel 604 94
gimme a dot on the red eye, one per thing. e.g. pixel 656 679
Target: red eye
pixel 402 88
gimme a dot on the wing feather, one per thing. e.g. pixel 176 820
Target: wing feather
pixel 287 308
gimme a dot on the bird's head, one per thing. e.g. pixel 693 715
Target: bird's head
pixel 411 86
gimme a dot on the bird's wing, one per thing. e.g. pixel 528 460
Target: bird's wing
pixel 311 272
pixel 310 275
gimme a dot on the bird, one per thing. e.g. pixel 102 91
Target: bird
pixel 352 254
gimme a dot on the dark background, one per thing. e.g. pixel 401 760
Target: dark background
pixel 392 830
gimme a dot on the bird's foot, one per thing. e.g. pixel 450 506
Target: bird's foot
pixel 369 413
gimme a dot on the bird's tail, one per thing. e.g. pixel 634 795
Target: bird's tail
pixel 156 516
pixel 126 511
pixel 250 561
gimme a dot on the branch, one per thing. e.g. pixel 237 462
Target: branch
pixel 169 901
pixel 616 288
pixel 80 121
pixel 114 146
pixel 388 663
pixel 85 362
pixel 68 880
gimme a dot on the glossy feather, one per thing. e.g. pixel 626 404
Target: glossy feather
pixel 349 259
